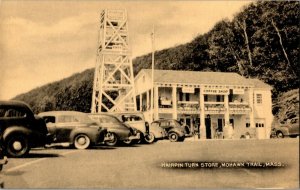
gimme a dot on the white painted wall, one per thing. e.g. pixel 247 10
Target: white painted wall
pixel 263 111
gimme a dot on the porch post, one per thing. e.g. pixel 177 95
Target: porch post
pixel 226 104
pixel 155 100
pixel 251 102
pixel 174 102
pixel 147 101
pixel 202 116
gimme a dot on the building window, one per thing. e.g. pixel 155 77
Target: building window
pixel 230 97
pixel 138 103
pixel 180 96
pixel 247 125
pixel 220 98
pixel 259 125
pixel 259 98
pixel 205 98
pixel 187 97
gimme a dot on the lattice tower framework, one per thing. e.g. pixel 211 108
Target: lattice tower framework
pixel 113 88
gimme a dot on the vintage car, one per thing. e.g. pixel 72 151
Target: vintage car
pixel 136 120
pixel 175 132
pixel 120 132
pixel 74 128
pixel 3 158
pixel 155 133
pixel 20 129
pixel 288 129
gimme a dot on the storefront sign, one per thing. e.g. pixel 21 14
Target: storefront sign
pixel 238 91
pixel 188 90
pixel 215 91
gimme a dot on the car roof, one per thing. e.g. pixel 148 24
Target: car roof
pixel 56 113
pixel 159 120
pixel 13 103
pixel 104 114
pixel 132 112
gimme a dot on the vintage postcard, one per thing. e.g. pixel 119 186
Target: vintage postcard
pixel 149 94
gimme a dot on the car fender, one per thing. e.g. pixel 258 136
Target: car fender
pixel 122 133
pixel 16 129
pixel 181 134
pixel 284 130
pixel 92 133
pixel 157 132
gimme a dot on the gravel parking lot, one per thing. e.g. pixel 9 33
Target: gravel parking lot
pixel 191 164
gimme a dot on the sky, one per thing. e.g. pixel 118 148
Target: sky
pixel 46 41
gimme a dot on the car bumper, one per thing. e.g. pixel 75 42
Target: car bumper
pixel 3 161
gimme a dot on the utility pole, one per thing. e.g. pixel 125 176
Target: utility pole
pixel 152 73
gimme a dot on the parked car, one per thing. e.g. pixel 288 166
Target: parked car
pixel 3 158
pixel 20 129
pixel 288 129
pixel 175 131
pixel 120 132
pixel 74 128
pixel 137 121
pixel 156 133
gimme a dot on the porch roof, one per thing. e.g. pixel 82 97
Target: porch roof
pixel 198 77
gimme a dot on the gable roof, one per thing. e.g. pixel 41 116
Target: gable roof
pixel 198 77
pixel 259 84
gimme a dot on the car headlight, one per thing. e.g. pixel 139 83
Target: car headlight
pixel 134 131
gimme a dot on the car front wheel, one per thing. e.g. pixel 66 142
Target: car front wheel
pixel 279 134
pixel 113 141
pixel 82 141
pixel 17 146
pixel 149 138
pixel 173 137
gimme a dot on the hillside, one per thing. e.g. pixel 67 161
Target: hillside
pixel 73 93
pixel 287 105
pixel 261 41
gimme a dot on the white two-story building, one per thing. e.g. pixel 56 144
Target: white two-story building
pixel 205 101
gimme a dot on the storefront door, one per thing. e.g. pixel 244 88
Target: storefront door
pixel 208 128
pixel 188 121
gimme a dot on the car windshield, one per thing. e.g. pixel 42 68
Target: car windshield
pixel 176 123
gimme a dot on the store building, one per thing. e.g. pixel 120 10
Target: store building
pixel 206 101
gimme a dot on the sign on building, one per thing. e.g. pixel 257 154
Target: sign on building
pixel 188 90
pixel 216 91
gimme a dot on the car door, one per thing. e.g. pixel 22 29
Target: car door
pixel 165 125
pixel 64 125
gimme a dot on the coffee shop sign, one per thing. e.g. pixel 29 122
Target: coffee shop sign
pixel 215 91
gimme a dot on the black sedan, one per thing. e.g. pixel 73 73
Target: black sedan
pixel 74 128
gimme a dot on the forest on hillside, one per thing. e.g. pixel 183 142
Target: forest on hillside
pixel 262 41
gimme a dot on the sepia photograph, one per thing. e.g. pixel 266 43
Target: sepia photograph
pixel 135 94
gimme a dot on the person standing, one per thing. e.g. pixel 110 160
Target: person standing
pixel 228 131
